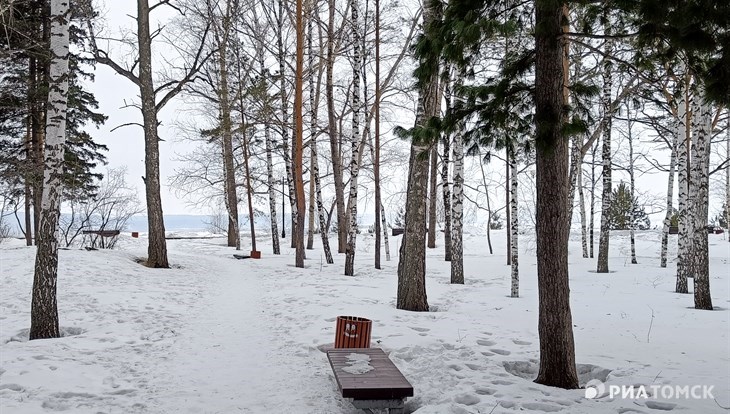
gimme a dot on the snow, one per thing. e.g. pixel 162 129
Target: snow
pixel 219 335
pixel 358 364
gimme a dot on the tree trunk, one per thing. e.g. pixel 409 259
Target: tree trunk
pixel 412 264
pixel 269 161
pixel 333 133
pixel 313 129
pixel 582 202
pixel 555 326
pixel 44 310
pixel 678 131
pixel 249 190
pixel 27 184
pixel 298 217
pixel 603 239
pixel 700 179
pixel 376 161
pixel 285 122
pixel 157 247
pixel 683 165
pixel 457 218
pixel 507 209
pixel 355 140
pixel 385 233
pixel 514 225
pixel 727 177
pixel 446 140
pixel 632 187
pixel 593 198
pixel 433 198
pixel 231 196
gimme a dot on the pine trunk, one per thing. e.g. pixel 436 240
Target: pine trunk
pixel 457 217
pixel 298 217
pixel 700 178
pixel 355 141
pixel 44 310
pixel 157 248
pixel 412 263
pixel 555 326
pixel 433 198
pixel 604 236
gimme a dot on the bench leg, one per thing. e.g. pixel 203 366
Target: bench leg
pixel 381 406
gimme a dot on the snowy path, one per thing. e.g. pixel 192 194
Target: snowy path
pixel 237 354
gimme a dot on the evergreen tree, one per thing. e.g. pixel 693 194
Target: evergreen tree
pixel 621 207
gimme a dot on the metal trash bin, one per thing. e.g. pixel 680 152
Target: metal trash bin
pixel 353 332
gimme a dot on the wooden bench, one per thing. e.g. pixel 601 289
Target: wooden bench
pixel 369 379
pixel 103 234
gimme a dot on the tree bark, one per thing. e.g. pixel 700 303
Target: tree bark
pixel 298 233
pixel 555 326
pixel 593 199
pixel 582 202
pixel 433 198
pixel 355 140
pixel 269 159
pixel 333 133
pixel 632 188
pixel 44 310
pixel 457 217
pixel 678 131
pixel 230 193
pixel 157 247
pixel 700 179
pixel 604 236
pixel 683 165
pixel 446 140
pixel 514 225
pixel 376 161
pixel 313 129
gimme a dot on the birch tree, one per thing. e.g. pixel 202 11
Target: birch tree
pixel 683 165
pixel 355 140
pixel 457 217
pixel 44 310
pixel 699 197
pixel 514 224
pixel 603 239
pixel 678 133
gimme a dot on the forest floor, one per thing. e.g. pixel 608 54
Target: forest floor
pixel 219 335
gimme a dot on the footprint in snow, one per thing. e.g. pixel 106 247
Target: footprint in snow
pixel 467 399
pixel 419 329
pixel 661 406
pixel 500 351
pixel 518 342
pixel 485 342
pixel 502 382
pixel 537 406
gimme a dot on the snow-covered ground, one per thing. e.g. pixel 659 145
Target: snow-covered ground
pixel 219 335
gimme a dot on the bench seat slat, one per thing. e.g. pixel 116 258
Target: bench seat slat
pixel 384 382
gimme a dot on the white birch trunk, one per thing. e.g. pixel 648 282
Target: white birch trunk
pixel 457 217
pixel 604 236
pixel 354 165
pixel 678 132
pixel 700 179
pixel 632 185
pixel 583 219
pixel 514 227
pixel 685 225
pixel 44 310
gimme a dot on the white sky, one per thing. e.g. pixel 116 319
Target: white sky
pixel 126 145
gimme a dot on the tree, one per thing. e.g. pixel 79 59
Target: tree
pixel 603 239
pixel 626 210
pixel 44 311
pixel 139 72
pixel 298 231
pixel 355 140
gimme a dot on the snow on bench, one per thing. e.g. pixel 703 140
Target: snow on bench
pixel 369 379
